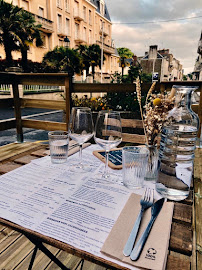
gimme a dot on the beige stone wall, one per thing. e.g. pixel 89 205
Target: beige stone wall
pixel 76 19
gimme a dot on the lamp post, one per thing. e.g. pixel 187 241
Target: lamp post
pixel 102 50
pixel 67 42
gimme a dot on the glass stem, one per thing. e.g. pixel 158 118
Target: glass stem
pixel 80 154
pixel 106 163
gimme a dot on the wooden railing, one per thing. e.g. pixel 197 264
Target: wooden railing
pixel 60 79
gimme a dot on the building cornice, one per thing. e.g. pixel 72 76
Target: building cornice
pixel 104 17
pixel 91 4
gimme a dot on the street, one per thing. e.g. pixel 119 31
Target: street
pixel 9 136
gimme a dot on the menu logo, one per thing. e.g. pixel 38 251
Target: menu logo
pixel 151 252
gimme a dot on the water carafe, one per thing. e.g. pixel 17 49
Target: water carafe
pixel 177 146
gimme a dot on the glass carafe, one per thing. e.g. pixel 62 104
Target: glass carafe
pixel 178 143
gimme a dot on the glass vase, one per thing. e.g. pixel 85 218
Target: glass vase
pixel 151 171
pixel 177 146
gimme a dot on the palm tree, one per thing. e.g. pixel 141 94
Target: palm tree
pixel 84 52
pixel 9 22
pixel 26 34
pixel 124 54
pixel 91 56
pixel 63 59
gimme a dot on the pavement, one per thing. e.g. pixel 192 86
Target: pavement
pixel 9 136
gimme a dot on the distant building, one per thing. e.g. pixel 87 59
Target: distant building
pixel 81 21
pixel 197 74
pixel 161 64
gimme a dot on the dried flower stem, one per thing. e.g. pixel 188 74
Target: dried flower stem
pixel 150 90
pixel 138 90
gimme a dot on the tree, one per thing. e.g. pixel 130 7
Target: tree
pixel 91 57
pixel 26 34
pixel 84 52
pixel 146 77
pixel 9 22
pixel 63 59
pixel 133 73
pixel 124 54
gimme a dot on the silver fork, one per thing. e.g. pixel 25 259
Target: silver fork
pixel 145 202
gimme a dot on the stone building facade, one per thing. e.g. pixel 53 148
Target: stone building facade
pixel 81 21
pixel 197 74
pixel 162 63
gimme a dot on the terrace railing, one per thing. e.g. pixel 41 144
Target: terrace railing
pixel 61 79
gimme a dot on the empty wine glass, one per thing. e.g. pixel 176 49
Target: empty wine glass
pixel 108 134
pixel 80 130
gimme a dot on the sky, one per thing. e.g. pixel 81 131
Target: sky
pixel 181 37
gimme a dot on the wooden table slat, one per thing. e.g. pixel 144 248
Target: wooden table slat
pixel 181 239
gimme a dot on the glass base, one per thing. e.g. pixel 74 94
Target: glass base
pixel 106 178
pixel 80 168
pixel 171 194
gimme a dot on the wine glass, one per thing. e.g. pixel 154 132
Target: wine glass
pixel 80 130
pixel 107 134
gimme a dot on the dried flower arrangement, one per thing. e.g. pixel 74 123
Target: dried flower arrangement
pixel 156 109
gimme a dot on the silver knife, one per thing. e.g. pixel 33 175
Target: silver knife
pixel 155 210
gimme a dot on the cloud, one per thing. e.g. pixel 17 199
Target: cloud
pixel 181 36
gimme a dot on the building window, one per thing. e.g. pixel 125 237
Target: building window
pixel 41 12
pixel 59 3
pixel 90 17
pixel 67 27
pixel 60 42
pixel 84 34
pixel 76 8
pixel 43 37
pixel 84 13
pixel 90 37
pixel 76 31
pixel 59 23
pixel 67 5
pixel 102 8
pixel 25 5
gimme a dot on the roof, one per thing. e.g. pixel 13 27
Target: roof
pixel 159 56
pixel 97 4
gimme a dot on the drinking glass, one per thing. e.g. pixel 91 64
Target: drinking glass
pixel 58 142
pixel 135 160
pixel 80 130
pixel 108 134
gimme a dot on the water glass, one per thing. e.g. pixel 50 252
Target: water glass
pixel 58 142
pixel 135 159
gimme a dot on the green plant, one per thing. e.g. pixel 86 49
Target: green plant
pixel 26 34
pixel 9 23
pixel 95 103
pixel 91 57
pixel 63 59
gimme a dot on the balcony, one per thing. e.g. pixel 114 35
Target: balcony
pixel 79 39
pixel 47 25
pixel 77 15
pixel 106 48
pixel 61 33
pixel 105 32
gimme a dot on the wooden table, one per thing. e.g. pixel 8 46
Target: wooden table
pixel 186 218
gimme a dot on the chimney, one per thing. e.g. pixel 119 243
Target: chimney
pixel 153 51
